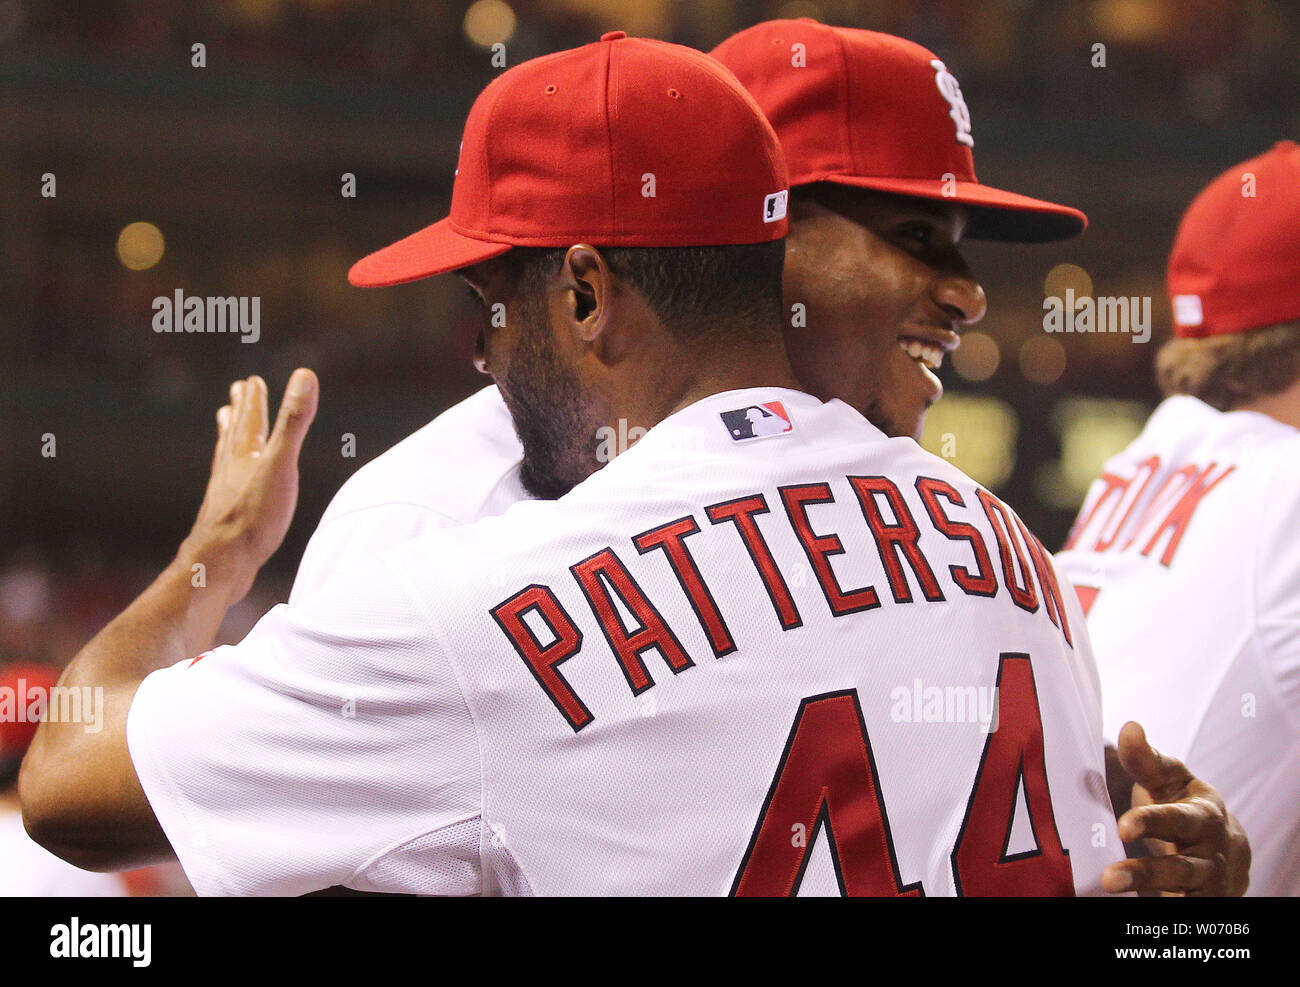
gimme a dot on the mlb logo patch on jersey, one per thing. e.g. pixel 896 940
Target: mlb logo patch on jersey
pixel 758 421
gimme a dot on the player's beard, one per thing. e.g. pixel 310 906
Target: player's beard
pixel 551 412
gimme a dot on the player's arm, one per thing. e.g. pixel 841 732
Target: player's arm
pixel 1195 846
pixel 80 794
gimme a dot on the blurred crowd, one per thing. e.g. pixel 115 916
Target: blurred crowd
pixel 46 615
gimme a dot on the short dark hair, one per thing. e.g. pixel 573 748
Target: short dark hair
pixel 693 290
pixel 1231 370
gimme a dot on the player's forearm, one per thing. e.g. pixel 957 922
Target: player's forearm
pixel 78 786
pixel 176 617
pixel 81 795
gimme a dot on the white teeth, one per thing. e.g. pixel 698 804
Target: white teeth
pixel 929 356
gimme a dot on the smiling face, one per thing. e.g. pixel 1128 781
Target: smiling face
pixel 886 293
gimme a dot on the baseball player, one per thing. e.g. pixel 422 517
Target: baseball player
pixel 1185 551
pixel 716 665
pixel 874 275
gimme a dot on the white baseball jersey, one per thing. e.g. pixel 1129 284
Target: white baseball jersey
pixel 462 466
pixel 759 653
pixel 1187 556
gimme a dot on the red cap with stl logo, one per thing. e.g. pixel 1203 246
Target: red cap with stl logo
pixel 1236 259
pixel 626 142
pixel 875 111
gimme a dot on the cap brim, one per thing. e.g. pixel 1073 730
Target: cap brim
pixel 994 214
pixel 435 249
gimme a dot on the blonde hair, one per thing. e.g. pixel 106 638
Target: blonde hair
pixel 1231 370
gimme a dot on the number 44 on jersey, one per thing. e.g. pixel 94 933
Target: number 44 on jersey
pixel 827 781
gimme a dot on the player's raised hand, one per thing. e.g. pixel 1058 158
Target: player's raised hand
pixel 253 488
pixel 1197 846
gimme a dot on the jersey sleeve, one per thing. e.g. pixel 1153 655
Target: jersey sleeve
pixel 350 540
pixel 332 746
pixel 462 466
pixel 1277 586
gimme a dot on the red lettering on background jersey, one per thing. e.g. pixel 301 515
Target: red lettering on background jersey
pixel 1168 494
pixel 670 538
pixel 602 573
pixel 902 536
pixel 1087 596
pixel 982 582
pixel 1113 485
pixel 819 549
pixel 544 662
pixel 826 782
pixel 999 515
pixel 1109 532
pixel 1110 484
pixel 1176 503
pixel 740 512
pixel 1177 520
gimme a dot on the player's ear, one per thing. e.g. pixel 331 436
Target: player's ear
pixel 588 291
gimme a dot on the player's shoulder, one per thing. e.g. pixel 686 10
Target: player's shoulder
pixel 1273 445
pixel 1271 465
pixel 906 462
pixel 1183 422
pixel 864 448
pixel 1261 453
pixel 458 465
pixel 674 470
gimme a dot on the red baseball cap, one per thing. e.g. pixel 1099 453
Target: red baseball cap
pixel 22 684
pixel 875 111
pixel 1236 259
pixel 626 142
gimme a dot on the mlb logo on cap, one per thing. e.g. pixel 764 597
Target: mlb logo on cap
pixel 1234 261
pixel 758 421
pixel 1187 310
pixel 774 206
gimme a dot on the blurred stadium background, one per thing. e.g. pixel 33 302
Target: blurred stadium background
pixel 226 180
